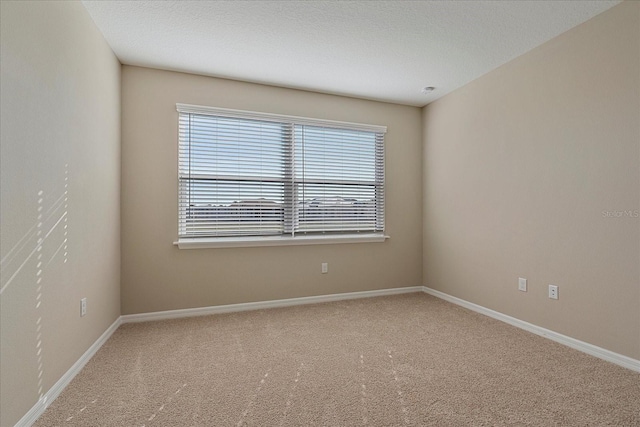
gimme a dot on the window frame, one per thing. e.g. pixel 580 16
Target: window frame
pixel 199 242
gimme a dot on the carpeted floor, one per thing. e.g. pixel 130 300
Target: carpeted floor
pixel 402 360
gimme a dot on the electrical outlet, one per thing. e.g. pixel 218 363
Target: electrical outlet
pixel 325 267
pixel 83 307
pixel 553 292
pixel 522 284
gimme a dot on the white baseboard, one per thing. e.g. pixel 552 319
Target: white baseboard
pixel 260 305
pixel 599 352
pixel 42 403
pixel 30 417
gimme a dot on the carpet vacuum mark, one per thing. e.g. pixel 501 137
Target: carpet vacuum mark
pixel 403 360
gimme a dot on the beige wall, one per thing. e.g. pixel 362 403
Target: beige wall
pixel 519 166
pixel 60 100
pixel 158 276
pixel 517 169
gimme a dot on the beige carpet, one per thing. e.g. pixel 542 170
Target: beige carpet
pixel 392 361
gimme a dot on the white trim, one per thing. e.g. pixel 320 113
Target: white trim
pixel 41 405
pixel 247 242
pixel 260 305
pixel 599 352
pixel 227 112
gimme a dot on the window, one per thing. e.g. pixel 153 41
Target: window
pixel 255 177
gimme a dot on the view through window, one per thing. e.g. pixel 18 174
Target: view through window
pixel 255 175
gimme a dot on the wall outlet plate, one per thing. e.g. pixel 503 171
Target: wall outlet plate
pixel 522 284
pixel 325 267
pixel 553 291
pixel 83 307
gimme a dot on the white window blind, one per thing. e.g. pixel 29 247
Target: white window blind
pixel 253 174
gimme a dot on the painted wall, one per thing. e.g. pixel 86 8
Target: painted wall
pixel 156 275
pixel 60 195
pixel 533 170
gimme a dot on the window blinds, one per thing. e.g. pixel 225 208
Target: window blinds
pixel 254 174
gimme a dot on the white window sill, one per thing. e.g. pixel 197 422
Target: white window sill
pixel 245 242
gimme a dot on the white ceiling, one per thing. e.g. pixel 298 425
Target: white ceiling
pixel 382 50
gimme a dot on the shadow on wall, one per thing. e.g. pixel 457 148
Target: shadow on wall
pixel 39 257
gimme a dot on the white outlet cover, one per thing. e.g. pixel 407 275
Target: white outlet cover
pixel 553 291
pixel 522 284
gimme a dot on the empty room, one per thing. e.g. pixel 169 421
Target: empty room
pixel 319 213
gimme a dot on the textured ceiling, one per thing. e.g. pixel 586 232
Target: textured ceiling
pixel 382 50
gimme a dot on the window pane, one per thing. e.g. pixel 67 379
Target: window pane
pixel 252 177
pixel 232 174
pixel 336 179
